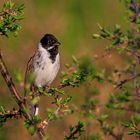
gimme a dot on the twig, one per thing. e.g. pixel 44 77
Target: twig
pixel 2 13
pixel 72 135
pixel 126 80
pixel 133 3
pixel 11 114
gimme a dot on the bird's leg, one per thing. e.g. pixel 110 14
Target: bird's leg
pixel 33 89
pixel 46 88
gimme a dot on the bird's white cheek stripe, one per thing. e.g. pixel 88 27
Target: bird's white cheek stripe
pixel 50 48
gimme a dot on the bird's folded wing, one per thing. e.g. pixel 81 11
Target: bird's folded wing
pixel 28 71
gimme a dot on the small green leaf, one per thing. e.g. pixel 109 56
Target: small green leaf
pixel 74 59
pixel 96 36
pixel 35 100
pixel 31 130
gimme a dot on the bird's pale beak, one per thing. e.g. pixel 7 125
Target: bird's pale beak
pixel 57 44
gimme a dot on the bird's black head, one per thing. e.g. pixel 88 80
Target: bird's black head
pixel 50 43
pixel 49 40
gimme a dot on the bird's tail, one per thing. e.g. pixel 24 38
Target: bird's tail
pixel 34 103
pixel 34 109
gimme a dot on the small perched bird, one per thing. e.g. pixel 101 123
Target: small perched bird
pixel 44 64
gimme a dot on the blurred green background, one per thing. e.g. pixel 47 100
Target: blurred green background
pixel 73 22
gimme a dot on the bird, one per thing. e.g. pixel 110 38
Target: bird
pixel 44 65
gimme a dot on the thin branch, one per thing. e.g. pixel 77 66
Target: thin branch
pixel 2 13
pixel 72 135
pixel 126 80
pixel 11 114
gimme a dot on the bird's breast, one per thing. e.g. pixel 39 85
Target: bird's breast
pixel 44 70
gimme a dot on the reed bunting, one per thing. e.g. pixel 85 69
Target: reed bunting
pixel 44 65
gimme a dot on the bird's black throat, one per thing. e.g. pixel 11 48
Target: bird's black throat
pixel 53 53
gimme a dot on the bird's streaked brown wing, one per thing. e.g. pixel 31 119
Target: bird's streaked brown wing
pixel 29 68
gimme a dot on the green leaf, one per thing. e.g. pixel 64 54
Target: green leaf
pixel 35 100
pixel 102 118
pixel 51 114
pixel 96 36
pixel 31 130
pixel 74 59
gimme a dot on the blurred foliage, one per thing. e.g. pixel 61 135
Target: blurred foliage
pixel 30 122
pixel 132 125
pixel 75 131
pixel 2 118
pixel 127 83
pixel 84 71
pixel 9 15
